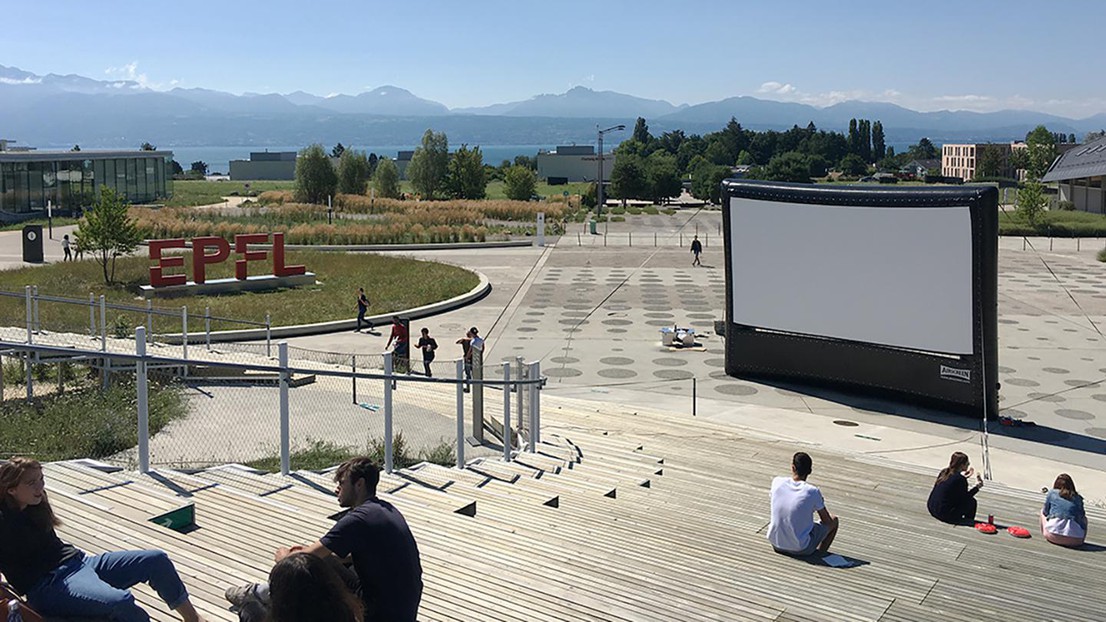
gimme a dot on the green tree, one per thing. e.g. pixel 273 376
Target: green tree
pixel 1031 201
pixel 520 183
pixel 107 232
pixel 791 166
pixel 430 165
pixel 865 128
pixel 315 176
pixel 386 179
pixel 879 143
pixel 1092 136
pixel 628 178
pixel 338 150
pixel 641 132
pixel 175 167
pixel 466 177
pixel 1040 152
pixel 76 148
pixel 353 171
pixel 854 137
pixel 989 161
pixel 706 181
pixel 924 150
pixel 661 178
pixel 147 147
pixel 199 166
pixel 853 165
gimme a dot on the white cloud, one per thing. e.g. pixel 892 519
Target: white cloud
pixel 129 73
pixel 776 88
pixel 331 95
pixel 27 80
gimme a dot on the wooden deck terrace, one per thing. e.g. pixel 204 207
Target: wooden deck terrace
pixel 619 516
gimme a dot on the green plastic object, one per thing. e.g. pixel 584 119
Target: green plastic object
pixel 181 519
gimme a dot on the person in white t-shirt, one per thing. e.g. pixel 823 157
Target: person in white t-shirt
pixel 793 530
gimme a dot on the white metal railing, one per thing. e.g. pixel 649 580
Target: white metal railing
pixel 527 387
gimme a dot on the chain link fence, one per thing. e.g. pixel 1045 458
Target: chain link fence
pixel 304 409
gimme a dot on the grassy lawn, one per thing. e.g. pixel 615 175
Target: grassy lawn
pixel 1066 224
pixel 391 283
pixel 498 189
pixel 320 455
pixel 58 222
pixel 83 422
pixel 203 192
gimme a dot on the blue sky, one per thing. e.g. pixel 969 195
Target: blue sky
pixel 1016 54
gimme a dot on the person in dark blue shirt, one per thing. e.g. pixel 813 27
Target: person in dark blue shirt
pixel 387 572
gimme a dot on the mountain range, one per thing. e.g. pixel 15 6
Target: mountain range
pixel 56 110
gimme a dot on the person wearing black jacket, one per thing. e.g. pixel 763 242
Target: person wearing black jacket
pixel 951 501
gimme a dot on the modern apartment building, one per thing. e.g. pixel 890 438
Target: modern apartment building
pixel 961 160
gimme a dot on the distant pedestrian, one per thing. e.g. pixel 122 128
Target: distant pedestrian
pixel 696 249
pixel 400 353
pixel 427 344
pixel 362 307
pixel 477 342
pixel 65 247
pixel 466 349
pixel 78 251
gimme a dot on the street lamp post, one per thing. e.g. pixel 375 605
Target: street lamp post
pixel 599 188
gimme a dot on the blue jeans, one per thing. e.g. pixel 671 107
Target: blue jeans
pixel 98 586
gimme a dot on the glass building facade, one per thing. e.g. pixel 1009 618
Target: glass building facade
pixel 72 179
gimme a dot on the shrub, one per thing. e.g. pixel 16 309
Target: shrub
pixel 1102 255
pixel 1066 206
pixel 652 210
pixel 442 454
pixel 317 455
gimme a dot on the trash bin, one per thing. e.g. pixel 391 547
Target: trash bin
pixel 32 243
pixel 591 226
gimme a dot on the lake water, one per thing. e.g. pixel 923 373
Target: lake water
pixel 218 157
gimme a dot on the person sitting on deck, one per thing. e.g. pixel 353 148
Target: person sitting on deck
pixel 951 501
pixel 305 588
pixel 59 579
pixel 793 530
pixel 387 573
pixel 1063 519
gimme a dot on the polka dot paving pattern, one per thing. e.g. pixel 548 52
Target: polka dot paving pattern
pixel 715 362
pixel 564 359
pixel 736 389
pixel 616 372
pixel 1099 432
pixel 1069 413
pixel 617 360
pixel 1056 370
pixel 562 372
pixel 617 322
pixel 1022 382
pixel 673 374
pixel 670 362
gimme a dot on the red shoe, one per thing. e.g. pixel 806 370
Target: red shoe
pixel 1018 532
pixel 986 528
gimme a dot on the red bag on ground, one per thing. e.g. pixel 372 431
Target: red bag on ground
pixel 985 528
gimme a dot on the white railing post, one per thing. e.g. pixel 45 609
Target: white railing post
pixel 184 332
pixel 91 315
pixel 207 327
pixel 388 379
pixel 143 400
pixel 285 428
pixel 103 324
pixel 30 321
pixel 520 374
pixel 535 418
pixel 34 296
pixel 460 413
pixel 506 411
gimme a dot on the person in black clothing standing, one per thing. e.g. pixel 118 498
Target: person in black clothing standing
pixel 696 249
pixel 427 344
pixel 362 307
pixel 951 501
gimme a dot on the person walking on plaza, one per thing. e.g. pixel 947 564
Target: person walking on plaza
pixel 696 249
pixel 387 572
pixel 65 248
pixel 793 530
pixel 362 307
pixel 466 355
pixel 1063 519
pixel 427 344
pixel 60 580
pixel 401 354
pixel 951 501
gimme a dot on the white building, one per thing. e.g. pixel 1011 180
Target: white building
pixel 572 163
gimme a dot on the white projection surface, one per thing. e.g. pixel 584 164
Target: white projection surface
pixel 894 276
